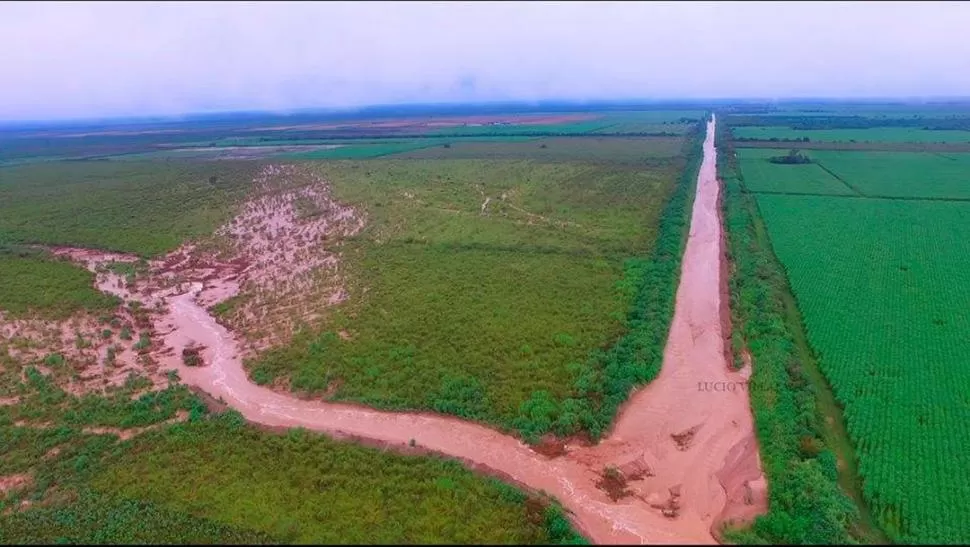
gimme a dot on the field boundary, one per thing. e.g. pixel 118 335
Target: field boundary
pixel 855 146
pixel 861 196
pixel 840 179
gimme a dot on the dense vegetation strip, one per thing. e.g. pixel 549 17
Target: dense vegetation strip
pixel 803 457
pixel 892 119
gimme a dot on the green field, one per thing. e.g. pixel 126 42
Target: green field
pixel 900 174
pixel 898 111
pixel 908 175
pixel 147 208
pixel 375 149
pixel 575 149
pixel 874 276
pixel 569 128
pixel 873 134
pixel 760 175
pixel 877 282
pixel 663 121
pixel 478 314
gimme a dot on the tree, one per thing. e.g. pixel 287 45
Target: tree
pixel 794 157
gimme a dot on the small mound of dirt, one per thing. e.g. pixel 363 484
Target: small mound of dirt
pixel 671 507
pixel 613 483
pixel 550 446
pixel 214 405
pixel 683 439
pixel 192 355
pixel 535 510
pixel 637 469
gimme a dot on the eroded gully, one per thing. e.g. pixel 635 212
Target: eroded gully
pixel 695 444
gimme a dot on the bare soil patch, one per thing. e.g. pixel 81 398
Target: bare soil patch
pixel 283 249
pixel 12 483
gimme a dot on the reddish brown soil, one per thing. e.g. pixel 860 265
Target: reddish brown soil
pixel 123 434
pixel 87 366
pixel 10 483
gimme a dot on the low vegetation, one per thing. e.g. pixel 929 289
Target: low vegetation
pixel 243 485
pixel 497 290
pixel 147 208
pixel 36 284
pixel 611 150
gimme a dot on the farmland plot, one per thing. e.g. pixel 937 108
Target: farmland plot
pixel 900 174
pixel 760 175
pixel 873 134
pixel 878 285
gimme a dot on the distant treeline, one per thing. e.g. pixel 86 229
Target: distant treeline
pixel 852 122
pixel 772 139
pixel 370 135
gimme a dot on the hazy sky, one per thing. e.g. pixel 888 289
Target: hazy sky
pixel 77 59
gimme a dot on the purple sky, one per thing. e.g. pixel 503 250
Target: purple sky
pixel 78 59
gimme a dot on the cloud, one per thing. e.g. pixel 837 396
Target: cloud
pixel 75 59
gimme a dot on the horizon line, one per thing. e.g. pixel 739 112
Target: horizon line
pixel 365 109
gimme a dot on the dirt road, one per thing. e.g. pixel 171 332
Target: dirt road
pixel 684 443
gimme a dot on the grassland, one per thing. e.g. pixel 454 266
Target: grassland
pixel 569 128
pixel 376 149
pixel 873 134
pixel 86 487
pixel 528 294
pixel 646 122
pixel 146 208
pixel 471 313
